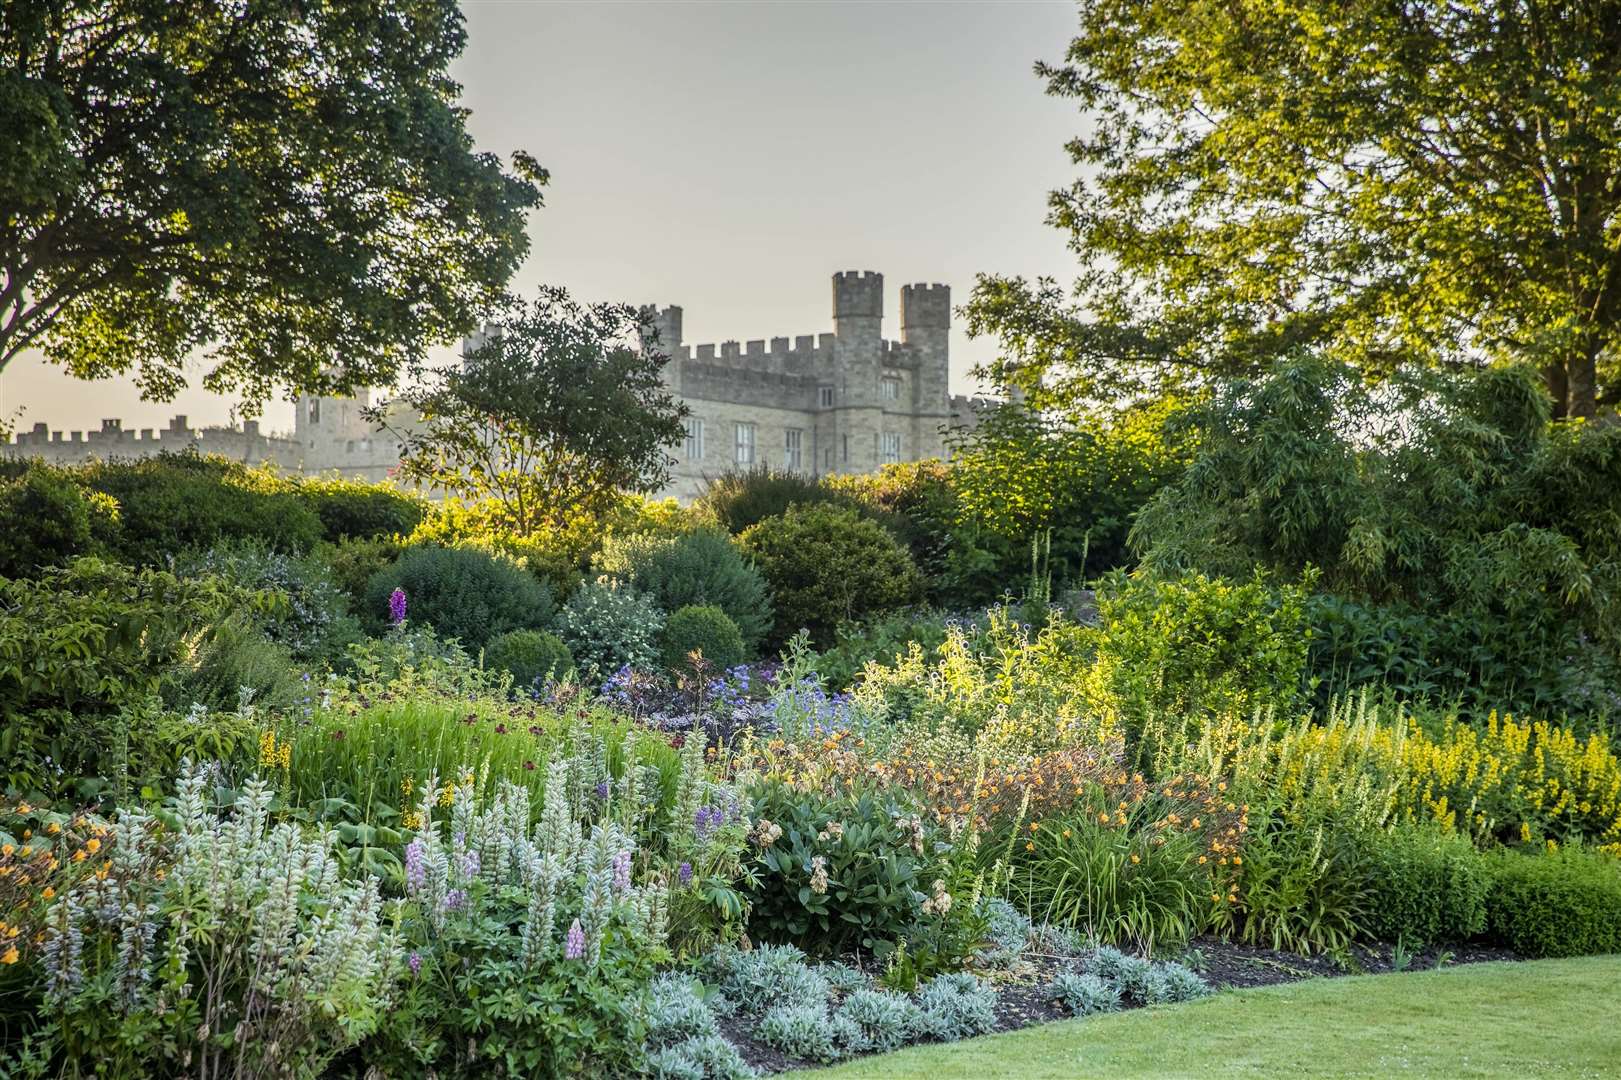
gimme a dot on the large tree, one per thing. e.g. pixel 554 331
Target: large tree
pixel 287 185
pixel 556 411
pixel 1387 182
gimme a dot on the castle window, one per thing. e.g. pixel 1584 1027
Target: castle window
pixel 743 444
pixel 824 396
pixel 889 447
pixel 847 449
pixel 315 410
pixel 695 438
pixel 792 440
pixel 891 389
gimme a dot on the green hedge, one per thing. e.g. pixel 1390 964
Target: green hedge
pixel 1564 903
pixel 1425 887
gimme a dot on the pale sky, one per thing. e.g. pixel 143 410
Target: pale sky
pixel 730 157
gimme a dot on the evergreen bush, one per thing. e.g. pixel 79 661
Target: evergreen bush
pixel 703 629
pixel 461 592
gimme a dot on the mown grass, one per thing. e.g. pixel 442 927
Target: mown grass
pixel 1550 1018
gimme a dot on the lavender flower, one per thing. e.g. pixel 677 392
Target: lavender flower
pixel 621 869
pixel 574 943
pixel 683 874
pixel 602 790
pixel 472 862
pixel 396 606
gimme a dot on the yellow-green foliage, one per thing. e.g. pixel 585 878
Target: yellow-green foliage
pixel 1510 780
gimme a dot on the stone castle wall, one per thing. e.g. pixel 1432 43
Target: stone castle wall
pixel 846 401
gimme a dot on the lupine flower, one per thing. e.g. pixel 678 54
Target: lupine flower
pixel 602 790
pixel 455 899
pixel 574 943
pixel 621 869
pixel 416 870
pixel 416 963
pixel 472 862
pixel 396 606
pixel 683 873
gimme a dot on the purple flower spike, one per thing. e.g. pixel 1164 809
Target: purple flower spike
pixel 396 606
pixel 621 868
pixel 602 790
pixel 416 963
pixel 683 874
pixel 574 944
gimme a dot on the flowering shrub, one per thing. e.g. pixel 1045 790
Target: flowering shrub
pixel 221 943
pixel 608 626
pixel 833 874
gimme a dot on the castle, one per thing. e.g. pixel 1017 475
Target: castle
pixel 846 401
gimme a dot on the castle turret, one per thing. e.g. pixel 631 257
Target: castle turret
pixel 858 315
pixel 661 330
pixel 926 332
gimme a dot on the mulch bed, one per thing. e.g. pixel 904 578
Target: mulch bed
pixel 1022 990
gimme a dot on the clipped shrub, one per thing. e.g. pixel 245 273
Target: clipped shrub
pixel 174 502
pixel 877 1021
pixel 702 629
pixel 800 1031
pixel 355 510
pixel 1083 994
pixel 608 626
pixel 701 567
pixel 954 1006
pixel 827 566
pixel 1425 887
pixel 1565 903
pixel 48 520
pixel 530 656
pixel 460 592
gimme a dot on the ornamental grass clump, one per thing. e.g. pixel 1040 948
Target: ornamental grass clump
pixel 221 944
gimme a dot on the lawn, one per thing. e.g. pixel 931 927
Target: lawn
pixel 1551 1018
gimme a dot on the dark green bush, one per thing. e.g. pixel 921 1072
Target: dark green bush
pixel 1424 887
pixel 233 656
pixel 881 862
pixel 45 520
pixel 354 563
pixel 738 499
pixel 175 502
pixel 309 614
pixel 83 647
pixel 354 510
pixel 826 566
pixel 1565 903
pixel 530 656
pixel 461 592
pixel 703 567
pixel 703 629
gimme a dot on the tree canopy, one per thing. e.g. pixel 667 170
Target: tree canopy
pixel 559 409
pixel 1387 183
pixel 288 186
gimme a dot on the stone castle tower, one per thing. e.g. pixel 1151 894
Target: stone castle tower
pixel 848 401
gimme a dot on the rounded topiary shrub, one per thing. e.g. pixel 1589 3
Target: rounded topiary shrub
pixel 702 567
pixel 462 593
pixel 1557 904
pixel 705 629
pixel 826 566
pixel 531 656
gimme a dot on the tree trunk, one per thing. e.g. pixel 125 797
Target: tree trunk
pixel 1558 384
pixel 1583 377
